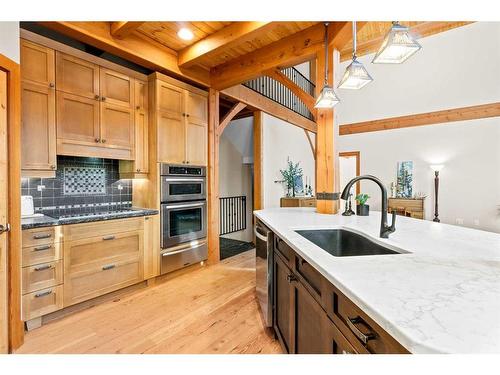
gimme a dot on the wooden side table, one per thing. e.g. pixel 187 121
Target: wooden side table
pixel 298 202
pixel 407 207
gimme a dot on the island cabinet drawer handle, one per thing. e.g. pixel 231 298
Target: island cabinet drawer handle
pixel 41 236
pixel 108 267
pixel 42 248
pixel 43 294
pixel 44 267
pixel 360 335
pixel 108 238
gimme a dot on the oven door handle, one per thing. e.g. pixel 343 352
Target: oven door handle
pixel 185 205
pixel 167 253
pixel 184 179
pixel 260 236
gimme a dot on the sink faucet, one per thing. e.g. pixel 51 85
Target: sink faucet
pixel 385 229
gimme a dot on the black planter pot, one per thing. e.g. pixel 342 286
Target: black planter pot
pixel 363 210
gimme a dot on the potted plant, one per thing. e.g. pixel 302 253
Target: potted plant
pixel 362 209
pixel 290 176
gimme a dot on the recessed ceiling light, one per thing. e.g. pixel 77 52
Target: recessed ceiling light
pixel 185 34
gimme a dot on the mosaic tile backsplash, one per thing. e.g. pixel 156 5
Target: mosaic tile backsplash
pixel 81 185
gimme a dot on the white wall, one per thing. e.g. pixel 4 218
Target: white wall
pixel 235 177
pixel 9 40
pixel 454 69
pixel 282 140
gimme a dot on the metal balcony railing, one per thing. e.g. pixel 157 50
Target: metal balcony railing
pixel 279 93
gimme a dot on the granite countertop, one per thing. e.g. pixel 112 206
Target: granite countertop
pixel 441 297
pixel 48 221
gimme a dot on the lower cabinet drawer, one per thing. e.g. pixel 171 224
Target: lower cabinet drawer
pixel 42 276
pixel 102 228
pixel 42 254
pixel 41 236
pixel 81 286
pixel 183 257
pixel 284 250
pixel 42 302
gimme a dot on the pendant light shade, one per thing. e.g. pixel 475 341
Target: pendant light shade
pixel 327 97
pixel 356 76
pixel 397 47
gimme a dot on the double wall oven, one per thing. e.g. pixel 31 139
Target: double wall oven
pixel 183 216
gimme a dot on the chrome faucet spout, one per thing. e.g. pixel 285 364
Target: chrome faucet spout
pixel 385 229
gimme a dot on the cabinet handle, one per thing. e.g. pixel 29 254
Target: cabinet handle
pixel 41 236
pixel 103 98
pixel 52 167
pixel 138 107
pixel 44 267
pixel 97 140
pixel 108 238
pixel 96 97
pixel 43 294
pixel 360 335
pixel 187 161
pixel 42 248
pixel 52 85
pixel 187 114
pixel 108 267
pixel 103 141
pixel 291 278
pixel 137 170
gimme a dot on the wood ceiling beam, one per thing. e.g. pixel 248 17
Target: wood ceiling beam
pixel 308 100
pixel 259 102
pixel 135 48
pixel 228 37
pixel 289 51
pixel 313 149
pixel 422 29
pixel 230 115
pixel 122 29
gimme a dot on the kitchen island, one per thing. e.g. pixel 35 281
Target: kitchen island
pixel 440 295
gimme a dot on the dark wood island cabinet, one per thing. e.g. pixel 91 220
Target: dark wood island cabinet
pixel 311 316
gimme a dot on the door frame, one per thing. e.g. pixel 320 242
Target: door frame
pixel 356 154
pixel 16 327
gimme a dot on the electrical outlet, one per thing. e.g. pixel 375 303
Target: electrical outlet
pixel 476 222
pixel 40 187
pixel 459 221
pixel 120 187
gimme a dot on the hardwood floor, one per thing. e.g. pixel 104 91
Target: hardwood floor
pixel 210 310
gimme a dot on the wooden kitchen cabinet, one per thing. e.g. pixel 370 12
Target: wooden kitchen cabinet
pixel 140 165
pixel 38 118
pixel 117 128
pixel 116 88
pixel 77 76
pixel 37 64
pixel 151 246
pixel 312 316
pixel 181 116
pixel 38 130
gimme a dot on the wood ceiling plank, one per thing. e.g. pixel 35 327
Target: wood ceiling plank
pixel 122 29
pixel 288 51
pixel 228 37
pixel 133 48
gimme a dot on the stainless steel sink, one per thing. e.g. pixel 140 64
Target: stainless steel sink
pixel 345 243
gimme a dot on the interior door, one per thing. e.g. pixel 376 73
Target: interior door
pixel 4 316
pixel 196 128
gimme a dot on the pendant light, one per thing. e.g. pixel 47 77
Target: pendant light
pixel 327 97
pixel 397 47
pixel 356 76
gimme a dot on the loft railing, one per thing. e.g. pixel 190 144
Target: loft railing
pixel 233 214
pixel 276 91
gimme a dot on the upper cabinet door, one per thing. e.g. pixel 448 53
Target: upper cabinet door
pixel 171 136
pixel 38 132
pixel 116 88
pixel 117 128
pixel 77 76
pixel 196 129
pixel 171 99
pixel 77 121
pixel 37 64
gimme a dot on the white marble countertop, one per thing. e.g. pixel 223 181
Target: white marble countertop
pixel 442 297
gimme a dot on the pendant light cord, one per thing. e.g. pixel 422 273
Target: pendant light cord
pixel 326 53
pixel 354 42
